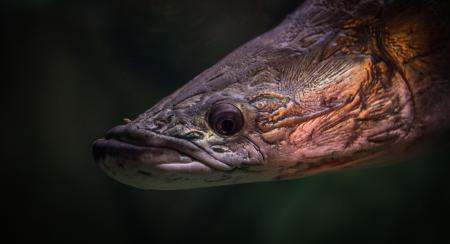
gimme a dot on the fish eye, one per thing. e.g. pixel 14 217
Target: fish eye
pixel 225 119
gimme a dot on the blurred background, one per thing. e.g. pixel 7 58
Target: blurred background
pixel 74 69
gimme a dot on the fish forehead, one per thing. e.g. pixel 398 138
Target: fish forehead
pixel 283 71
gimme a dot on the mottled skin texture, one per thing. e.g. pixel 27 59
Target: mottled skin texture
pixel 336 84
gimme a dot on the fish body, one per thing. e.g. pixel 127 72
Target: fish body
pixel 337 84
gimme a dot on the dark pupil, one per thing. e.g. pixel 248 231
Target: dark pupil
pixel 226 119
pixel 227 126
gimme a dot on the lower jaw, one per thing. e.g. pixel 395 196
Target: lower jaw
pixel 163 176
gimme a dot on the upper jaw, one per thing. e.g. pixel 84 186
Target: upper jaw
pixel 128 143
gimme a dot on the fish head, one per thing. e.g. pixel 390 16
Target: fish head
pixel 278 107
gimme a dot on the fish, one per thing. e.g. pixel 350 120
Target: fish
pixel 336 85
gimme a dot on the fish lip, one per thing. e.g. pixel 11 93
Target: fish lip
pixel 122 150
pixel 131 143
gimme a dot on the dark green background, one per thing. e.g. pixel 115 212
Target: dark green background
pixel 74 69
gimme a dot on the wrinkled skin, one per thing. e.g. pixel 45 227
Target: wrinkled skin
pixel 337 84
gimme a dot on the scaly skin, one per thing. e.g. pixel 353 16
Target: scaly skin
pixel 336 84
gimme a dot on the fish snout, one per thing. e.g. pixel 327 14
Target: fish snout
pixel 148 160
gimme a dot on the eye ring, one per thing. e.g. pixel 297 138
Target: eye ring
pixel 225 119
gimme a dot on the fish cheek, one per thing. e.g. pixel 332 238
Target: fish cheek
pixel 235 152
pixel 378 117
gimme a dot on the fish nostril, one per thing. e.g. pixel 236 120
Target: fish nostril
pixel 159 123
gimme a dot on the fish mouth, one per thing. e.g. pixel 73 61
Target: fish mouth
pixel 148 160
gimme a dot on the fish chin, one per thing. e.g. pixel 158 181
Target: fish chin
pixel 165 176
